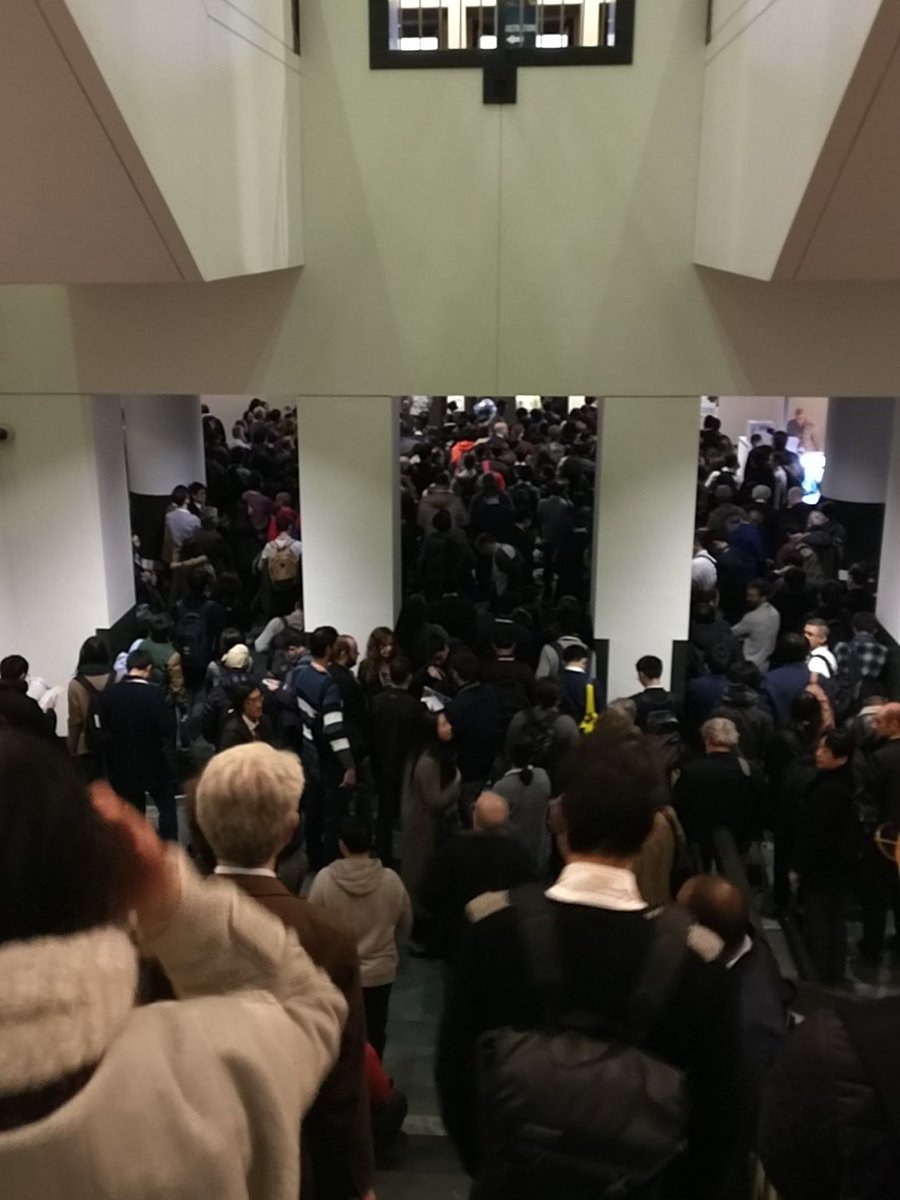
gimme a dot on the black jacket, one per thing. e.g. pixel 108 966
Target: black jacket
pixel 602 954
pixel 824 1133
pixel 822 853
pixel 396 720
pixel 19 711
pixel 754 723
pixel 884 780
pixel 356 711
pixel 719 789
pixel 140 728
pixel 476 730
pixel 236 732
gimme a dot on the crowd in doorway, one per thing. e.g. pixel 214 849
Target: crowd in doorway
pixel 461 788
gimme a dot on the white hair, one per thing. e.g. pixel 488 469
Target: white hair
pixel 247 798
pixel 719 731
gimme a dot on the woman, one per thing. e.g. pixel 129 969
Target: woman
pixel 93 674
pixel 215 672
pixel 791 768
pixel 216 1083
pixel 375 669
pixel 245 721
pixel 526 789
pixel 431 789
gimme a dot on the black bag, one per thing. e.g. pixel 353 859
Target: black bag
pixel 192 639
pixel 569 1109
pixel 95 737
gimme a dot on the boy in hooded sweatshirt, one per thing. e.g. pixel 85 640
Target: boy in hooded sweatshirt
pixel 372 899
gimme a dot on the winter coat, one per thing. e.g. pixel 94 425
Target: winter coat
pixel 372 900
pixel 424 802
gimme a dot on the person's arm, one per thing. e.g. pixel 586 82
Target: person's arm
pixel 336 732
pixel 548 663
pixel 176 677
pixel 316 893
pixel 77 710
pixel 404 925
pixel 742 629
pixel 427 782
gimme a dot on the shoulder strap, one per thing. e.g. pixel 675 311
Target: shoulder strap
pixel 536 922
pixel 871 1027
pixel 87 685
pixel 660 972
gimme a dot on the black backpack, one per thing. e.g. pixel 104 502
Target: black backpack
pixel 541 737
pixel 192 639
pixel 569 1109
pixel 95 737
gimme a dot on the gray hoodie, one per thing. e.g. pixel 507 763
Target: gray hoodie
pixel 372 899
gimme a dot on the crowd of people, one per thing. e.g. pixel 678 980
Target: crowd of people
pixel 614 1022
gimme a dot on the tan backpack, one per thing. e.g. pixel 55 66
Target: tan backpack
pixel 284 566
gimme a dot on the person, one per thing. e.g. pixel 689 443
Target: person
pixel 554 515
pixel 720 789
pixel 18 710
pixel 828 1124
pixel 782 685
pixel 485 858
pixel 327 758
pixel 526 790
pixel 475 723
pixel 759 627
pixel 821 662
pixel 375 669
pixel 439 497
pixel 279 564
pixel 570 622
pixel 863 657
pixel 722 907
pixel 743 705
pixel 257 506
pixel 372 900
pixel 356 709
pixel 165 659
pixel 653 697
pixel 511 679
pixel 396 720
pixel 233 671
pixel 704 572
pixel 218 1082
pixel 604 935
pixel 181 523
pixel 93 674
pixel 207 542
pixel 246 722
pixel 245 806
pixel 574 682
pixel 388 1106
pixel 139 731
pixel 822 855
pixel 550 732
pixel 429 796
pixel 791 769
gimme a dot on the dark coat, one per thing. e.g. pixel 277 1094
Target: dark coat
pixel 140 727
pixel 753 721
pixel 337 1140
pixel 476 730
pixel 822 853
pixel 781 687
pixel 18 710
pixel 356 711
pixel 718 790
pixel 396 721
pixel 602 954
pixel 236 732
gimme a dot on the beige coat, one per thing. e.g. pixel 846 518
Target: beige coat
pixel 78 702
pixel 423 804
pixel 195 1099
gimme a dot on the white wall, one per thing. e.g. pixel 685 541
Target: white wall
pixel 776 73
pixel 210 91
pixel 858 449
pixel 889 577
pixel 107 433
pixel 54 547
pixel 163 443
pixel 644 530
pixel 350 511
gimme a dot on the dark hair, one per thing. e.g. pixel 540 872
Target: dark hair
pixel 839 742
pixel 93 653
pixel 863 622
pixel 442 521
pixel 795 579
pixel 196 487
pixel 575 653
pixel 196 581
pixel 489 485
pixel 179 495
pixel 611 795
pixel 138 660
pixel 425 740
pixel 762 586
pixel 59 871
pixel 401 669
pixel 160 628
pixel 806 720
pixel 467 666
pixel 356 834
pixel 649 666
pixel 240 690
pixel 14 666
pixel 520 749
pixel 546 693
pixel 793 648
pixel 321 640
pixel 228 638
pixel 744 673
pixel 292 637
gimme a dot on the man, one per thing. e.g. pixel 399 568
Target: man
pixel 181 523
pixel 573 683
pixel 604 934
pixel 821 662
pixel 512 679
pixel 356 712
pixel 864 657
pixel 439 497
pixel 720 789
pixel 17 708
pixel 744 707
pixel 396 721
pixel 554 515
pixel 207 542
pixel 760 626
pixel 484 859
pixel 327 758
pixel 247 810
pixel 476 726
pixel 781 687
pixel 654 699
pixel 139 732
pixel 704 572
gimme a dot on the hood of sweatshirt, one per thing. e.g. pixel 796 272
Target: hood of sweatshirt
pixel 357 876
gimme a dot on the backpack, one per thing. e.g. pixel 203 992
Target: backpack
pixel 846 685
pixel 541 736
pixel 95 736
pixel 562 644
pixel 572 1108
pixel 284 568
pixel 191 640
pixel 662 727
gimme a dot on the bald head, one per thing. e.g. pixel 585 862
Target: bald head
pixel 887 720
pixel 718 905
pixel 490 812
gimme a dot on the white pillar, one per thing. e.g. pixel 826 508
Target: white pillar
pixel 64 534
pixel 164 448
pixel 857 449
pixel 643 531
pixel 889 574
pixel 350 511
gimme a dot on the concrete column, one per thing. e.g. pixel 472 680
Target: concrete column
pixel 64 532
pixel 164 447
pixel 643 533
pixel 857 454
pixel 350 511
pixel 889 577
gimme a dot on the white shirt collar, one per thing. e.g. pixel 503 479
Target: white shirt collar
pixel 266 872
pixel 597 886
pixel 746 947
pixel 251 725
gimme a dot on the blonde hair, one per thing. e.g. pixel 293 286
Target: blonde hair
pixel 719 731
pixel 247 798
